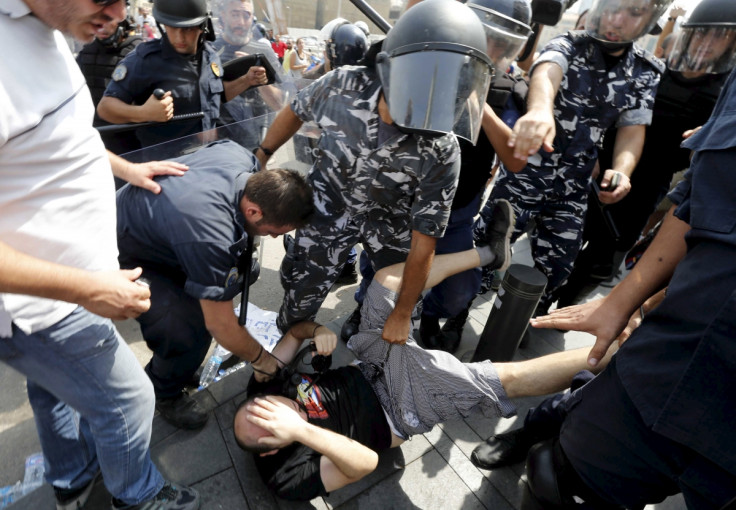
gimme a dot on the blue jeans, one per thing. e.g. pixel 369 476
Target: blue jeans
pixel 92 402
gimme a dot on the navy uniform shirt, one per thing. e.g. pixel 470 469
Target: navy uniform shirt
pixel 679 366
pixel 592 98
pixel 195 85
pixel 195 225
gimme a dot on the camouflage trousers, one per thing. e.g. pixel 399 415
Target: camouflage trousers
pixel 556 205
pixel 314 262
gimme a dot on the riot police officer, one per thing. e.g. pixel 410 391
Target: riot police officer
pixel 183 64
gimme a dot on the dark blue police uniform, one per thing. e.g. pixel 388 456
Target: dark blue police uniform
pixel 188 240
pixel 194 81
pixel 660 419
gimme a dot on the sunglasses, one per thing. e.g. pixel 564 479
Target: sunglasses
pixel 105 3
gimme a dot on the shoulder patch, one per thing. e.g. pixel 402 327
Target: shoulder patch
pixel 120 72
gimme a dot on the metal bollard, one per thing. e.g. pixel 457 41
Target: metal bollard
pixel 517 298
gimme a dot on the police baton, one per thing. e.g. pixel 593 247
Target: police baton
pixel 158 94
pixel 245 263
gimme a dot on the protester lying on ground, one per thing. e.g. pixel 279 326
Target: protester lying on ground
pixel 329 435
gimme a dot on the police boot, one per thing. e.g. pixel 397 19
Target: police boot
pixel 351 326
pixel 429 331
pixel 503 449
pixel 452 331
pixel 182 411
pixel 348 275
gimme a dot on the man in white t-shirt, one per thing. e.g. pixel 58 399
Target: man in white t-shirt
pixel 59 279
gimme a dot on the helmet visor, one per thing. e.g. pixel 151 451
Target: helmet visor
pixel 505 37
pixel 704 49
pixel 620 22
pixel 435 92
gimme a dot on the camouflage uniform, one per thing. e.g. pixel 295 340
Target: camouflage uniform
pixel 553 188
pixel 372 184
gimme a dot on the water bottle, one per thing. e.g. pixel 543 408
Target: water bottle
pixel 209 372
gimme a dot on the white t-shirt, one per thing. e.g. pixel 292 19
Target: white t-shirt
pixel 57 196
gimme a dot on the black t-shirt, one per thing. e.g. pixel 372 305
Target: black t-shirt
pixel 341 401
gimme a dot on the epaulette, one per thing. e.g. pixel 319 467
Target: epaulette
pixel 650 59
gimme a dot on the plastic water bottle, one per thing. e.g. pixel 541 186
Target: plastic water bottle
pixel 209 372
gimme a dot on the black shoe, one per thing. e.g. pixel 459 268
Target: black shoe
pixel 182 411
pixel 429 330
pixel 170 497
pixel 452 332
pixel 498 233
pixel 503 449
pixel 351 326
pixel 348 275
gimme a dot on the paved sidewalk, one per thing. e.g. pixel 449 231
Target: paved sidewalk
pixel 432 471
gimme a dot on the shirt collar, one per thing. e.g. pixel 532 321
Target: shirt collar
pixel 15 8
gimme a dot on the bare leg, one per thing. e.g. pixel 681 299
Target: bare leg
pixel 546 374
pixel 442 267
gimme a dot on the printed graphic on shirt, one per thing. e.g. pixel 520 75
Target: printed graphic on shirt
pixel 311 398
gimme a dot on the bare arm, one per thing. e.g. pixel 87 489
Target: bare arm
pixel 142 174
pixel 282 129
pixel 675 12
pixel 498 134
pixel 626 154
pixel 536 129
pixel 116 111
pixel 343 460
pixel 111 294
pixel 606 318
pixel 222 324
pixel 416 270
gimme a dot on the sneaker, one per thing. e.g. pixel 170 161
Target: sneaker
pixel 74 499
pixel 429 329
pixel 498 233
pixel 348 275
pixel 170 497
pixel 351 326
pixel 182 411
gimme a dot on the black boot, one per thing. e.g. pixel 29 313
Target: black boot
pixel 452 331
pixel 348 275
pixel 503 449
pixel 429 331
pixel 182 411
pixel 351 326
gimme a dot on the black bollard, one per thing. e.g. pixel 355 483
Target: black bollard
pixel 517 298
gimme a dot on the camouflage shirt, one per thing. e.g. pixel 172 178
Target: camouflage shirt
pixel 592 98
pixel 408 179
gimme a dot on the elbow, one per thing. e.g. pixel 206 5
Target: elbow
pixel 515 166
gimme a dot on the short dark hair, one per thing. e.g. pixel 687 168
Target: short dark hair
pixel 284 197
pixel 253 447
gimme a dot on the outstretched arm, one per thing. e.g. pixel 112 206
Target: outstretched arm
pixel 606 318
pixel 142 174
pixel 626 153
pixel 111 294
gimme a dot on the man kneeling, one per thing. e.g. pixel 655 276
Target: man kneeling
pixel 328 436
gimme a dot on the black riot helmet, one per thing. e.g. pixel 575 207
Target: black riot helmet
pixel 616 24
pixel 184 14
pixel 707 40
pixel 434 70
pixel 506 23
pixel 119 35
pixel 259 31
pixel 346 45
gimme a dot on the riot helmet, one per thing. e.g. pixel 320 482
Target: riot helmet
pixel 363 26
pixel 346 45
pixel 616 24
pixel 707 40
pixel 184 14
pixel 259 31
pixel 119 34
pixel 434 70
pixel 506 23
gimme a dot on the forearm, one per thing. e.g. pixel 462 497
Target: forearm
pixel 351 458
pixel 235 87
pixel 543 87
pixel 24 274
pixel 627 148
pixel 655 268
pixel 416 272
pixel 222 323
pixel 284 126
pixel 116 111
pixel 120 167
pixel 498 133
